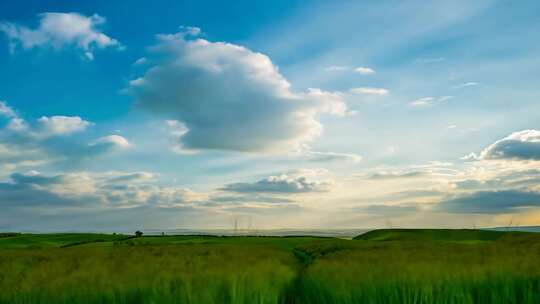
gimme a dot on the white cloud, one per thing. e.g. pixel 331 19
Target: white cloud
pixel 428 101
pixel 444 98
pixel 326 156
pixel 61 30
pixel 521 145
pixel 364 70
pixel 6 111
pixel 120 190
pixel 140 61
pixel 191 30
pixel 136 81
pixel 466 84
pixel 84 189
pixel 326 102
pixel 111 142
pixel 430 60
pixel 17 124
pixel 383 175
pixel 46 126
pixel 50 140
pixel 359 70
pixel 62 125
pixel 422 102
pixel 336 68
pixel 319 156
pixel 217 90
pixel 176 131
pixel 293 182
pixel 369 91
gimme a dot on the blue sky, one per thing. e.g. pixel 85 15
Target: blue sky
pixel 194 114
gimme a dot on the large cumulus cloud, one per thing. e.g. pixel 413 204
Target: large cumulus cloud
pixel 521 145
pixel 229 97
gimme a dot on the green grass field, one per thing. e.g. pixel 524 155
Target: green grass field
pixel 382 266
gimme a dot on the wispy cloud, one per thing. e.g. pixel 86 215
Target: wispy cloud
pixel 466 85
pixel 364 70
pixel 305 152
pixel 428 101
pixel 334 68
pixel 369 91
pixel 320 156
pixel 430 60
pixel 396 175
pixel 360 70
pixel 140 61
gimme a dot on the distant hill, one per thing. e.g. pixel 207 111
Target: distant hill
pixel 432 235
pixel 340 233
pixel 517 228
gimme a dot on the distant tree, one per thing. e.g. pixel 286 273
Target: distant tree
pixel 138 233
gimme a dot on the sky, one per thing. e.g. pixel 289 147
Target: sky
pixel 122 115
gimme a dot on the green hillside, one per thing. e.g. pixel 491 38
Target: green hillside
pixel 457 235
pixel 54 239
pixel 382 266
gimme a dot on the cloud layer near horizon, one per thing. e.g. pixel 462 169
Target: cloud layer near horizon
pixel 54 139
pixel 304 181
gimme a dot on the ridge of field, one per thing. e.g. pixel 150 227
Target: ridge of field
pixel 434 235
pixel 41 241
pixel 23 240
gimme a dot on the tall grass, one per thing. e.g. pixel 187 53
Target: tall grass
pixel 425 272
pixel 157 274
pixel 275 270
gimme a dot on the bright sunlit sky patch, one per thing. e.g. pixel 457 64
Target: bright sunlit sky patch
pixel 270 114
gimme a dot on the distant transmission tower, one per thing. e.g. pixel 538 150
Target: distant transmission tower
pixel 510 224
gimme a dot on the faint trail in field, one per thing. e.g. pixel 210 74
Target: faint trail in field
pixel 291 294
pixel 305 257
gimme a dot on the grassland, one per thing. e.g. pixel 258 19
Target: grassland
pixel 384 266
